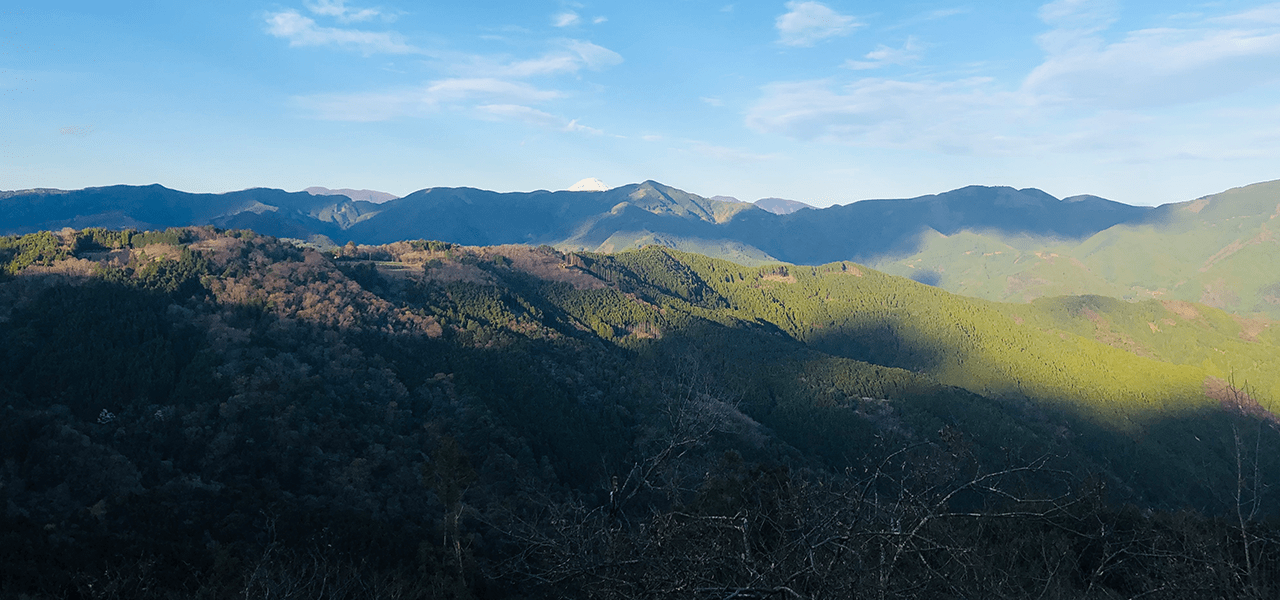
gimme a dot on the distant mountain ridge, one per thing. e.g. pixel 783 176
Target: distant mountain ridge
pixel 367 195
pixel 1220 250
pixel 991 242
pixel 781 206
pixel 625 216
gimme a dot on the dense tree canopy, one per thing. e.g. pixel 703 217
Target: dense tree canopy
pixel 202 413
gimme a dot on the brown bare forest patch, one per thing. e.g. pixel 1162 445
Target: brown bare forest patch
pixel 546 264
pixel 1236 400
pixel 1183 309
pixel 1250 329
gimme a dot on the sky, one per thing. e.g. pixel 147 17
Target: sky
pixel 824 102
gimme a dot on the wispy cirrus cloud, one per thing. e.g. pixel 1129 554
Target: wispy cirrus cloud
pixel 301 30
pixel 339 10
pixel 533 116
pixel 729 154
pixel 567 18
pixel 807 23
pixel 1096 90
pixel 487 87
pixel 483 98
pixel 418 101
pixel 884 56
pixel 945 116
pixel 571 56
pixel 1152 67
pixel 76 130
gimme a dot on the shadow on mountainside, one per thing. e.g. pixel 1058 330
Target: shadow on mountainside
pixel 861 231
pixel 155 436
pixel 868 230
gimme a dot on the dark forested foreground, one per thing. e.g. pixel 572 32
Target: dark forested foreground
pixel 196 413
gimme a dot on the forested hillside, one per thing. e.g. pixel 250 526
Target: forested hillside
pixel 997 243
pixel 206 413
pixel 1220 250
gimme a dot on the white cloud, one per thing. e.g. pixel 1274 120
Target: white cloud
pixel 76 130
pixel 570 56
pixel 599 20
pixel 884 56
pixel 566 19
pixel 933 15
pixel 482 86
pixel 462 89
pixel 807 23
pixel 955 116
pixel 420 101
pixel 1142 96
pixel 1154 67
pixel 339 10
pixel 729 154
pixel 303 31
pixel 712 101
pixel 1089 15
pixel 533 116
pixel 1268 14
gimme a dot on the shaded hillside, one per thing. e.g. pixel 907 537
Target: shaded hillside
pixel 997 243
pixel 202 413
pixel 873 229
pixel 273 212
pixel 629 216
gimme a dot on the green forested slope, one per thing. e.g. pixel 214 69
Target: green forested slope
pixel 1219 250
pixel 206 413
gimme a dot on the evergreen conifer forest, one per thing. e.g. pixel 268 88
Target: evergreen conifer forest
pixel 208 413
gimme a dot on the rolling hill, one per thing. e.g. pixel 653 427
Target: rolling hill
pixel 220 413
pixel 997 243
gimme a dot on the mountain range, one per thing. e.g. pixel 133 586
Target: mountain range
pixel 999 243
pixel 367 195
pixel 210 412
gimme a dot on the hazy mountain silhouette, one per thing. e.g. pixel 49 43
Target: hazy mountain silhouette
pixel 627 216
pixel 373 196
pixel 781 206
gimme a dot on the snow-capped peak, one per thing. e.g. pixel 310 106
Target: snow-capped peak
pixel 590 184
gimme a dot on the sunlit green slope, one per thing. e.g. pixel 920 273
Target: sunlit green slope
pixel 820 363
pixel 1221 250
pixel 847 310
pixel 1234 350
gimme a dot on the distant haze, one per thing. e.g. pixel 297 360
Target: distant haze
pixel 781 206
pixel 367 195
pixel 823 101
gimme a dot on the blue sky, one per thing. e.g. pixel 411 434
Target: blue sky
pixel 824 102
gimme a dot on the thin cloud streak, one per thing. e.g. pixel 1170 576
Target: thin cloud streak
pixel 1087 95
pixel 301 30
pixel 533 116
pixel 884 56
pixel 340 11
pixel 807 23
pixel 446 94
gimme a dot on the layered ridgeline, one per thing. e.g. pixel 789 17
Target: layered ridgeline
pixel 232 412
pixel 991 242
pixel 1221 250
